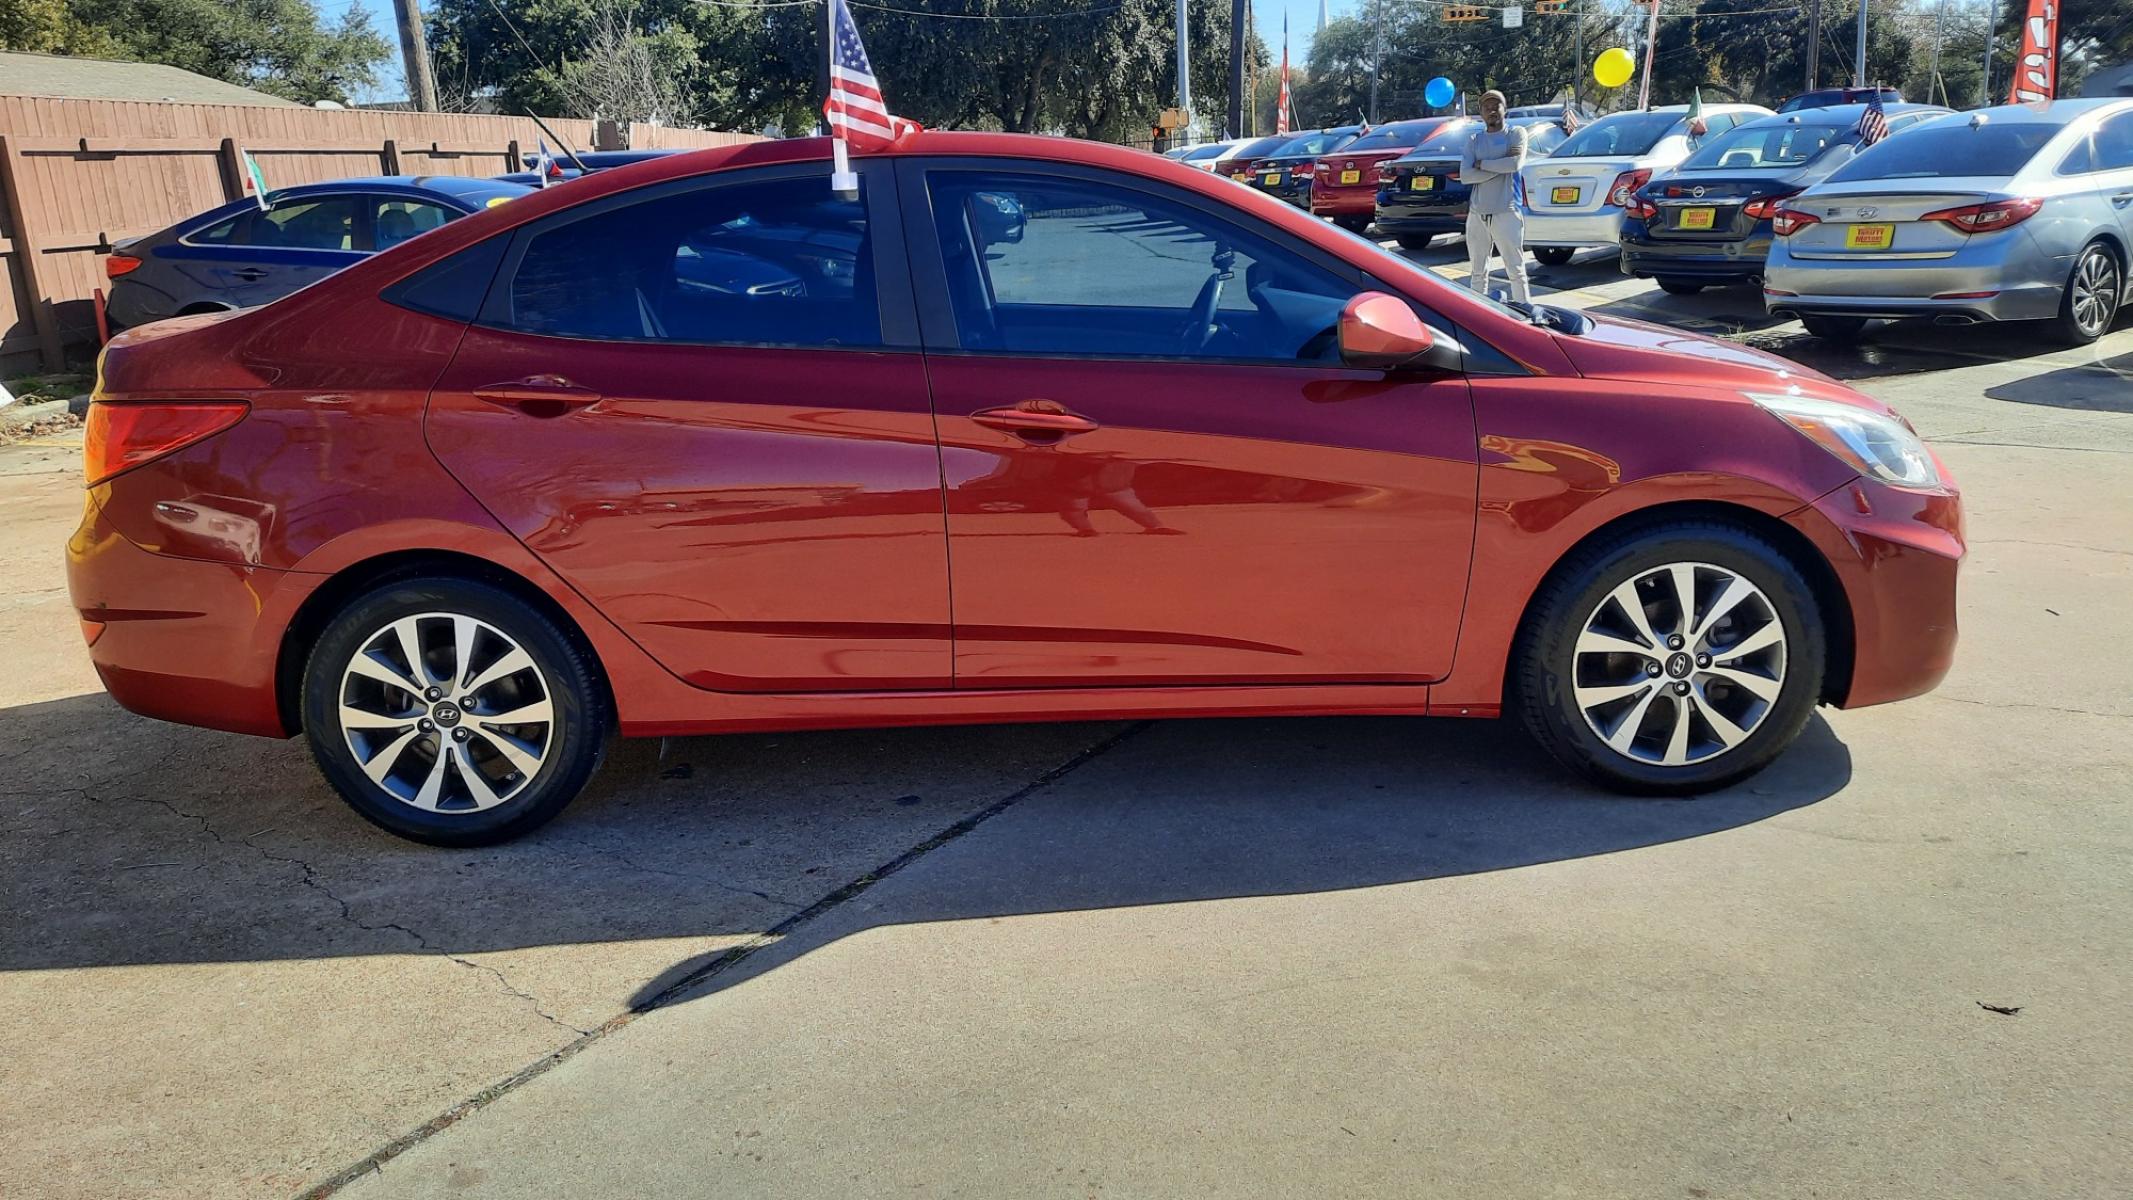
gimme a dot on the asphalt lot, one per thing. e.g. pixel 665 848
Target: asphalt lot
pixel 1302 958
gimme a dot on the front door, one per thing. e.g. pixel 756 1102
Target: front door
pixel 704 406
pixel 1156 469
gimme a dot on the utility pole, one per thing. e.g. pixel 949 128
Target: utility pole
pixel 1940 27
pixel 1237 20
pixel 1184 76
pixel 1992 17
pixel 1377 55
pixel 1577 51
pixel 415 53
pixel 1814 43
pixel 1651 43
pixel 1859 55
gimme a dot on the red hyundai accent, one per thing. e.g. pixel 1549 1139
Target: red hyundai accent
pixel 1026 429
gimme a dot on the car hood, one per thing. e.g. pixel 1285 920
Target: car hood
pixel 1616 348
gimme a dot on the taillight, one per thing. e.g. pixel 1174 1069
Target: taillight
pixel 1625 184
pixel 1763 208
pixel 1386 174
pixel 1984 218
pixel 119 264
pixel 120 437
pixel 1787 221
pixel 1640 208
pixel 1303 168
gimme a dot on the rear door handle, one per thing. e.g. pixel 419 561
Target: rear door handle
pixel 248 274
pixel 1037 420
pixel 538 395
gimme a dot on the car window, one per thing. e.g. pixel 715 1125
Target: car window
pixel 2080 160
pixel 305 223
pixel 1314 144
pixel 1950 148
pixel 1749 147
pixel 773 262
pixel 395 220
pixel 1624 134
pixel 2114 143
pixel 1398 136
pixel 1544 138
pixel 1042 265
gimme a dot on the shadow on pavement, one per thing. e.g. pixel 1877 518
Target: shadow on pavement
pixel 2105 385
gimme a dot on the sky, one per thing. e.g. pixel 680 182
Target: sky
pixel 1266 14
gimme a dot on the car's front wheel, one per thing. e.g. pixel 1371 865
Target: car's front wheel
pixel 1834 328
pixel 1671 660
pixel 1553 256
pixel 2093 295
pixel 452 712
pixel 1416 241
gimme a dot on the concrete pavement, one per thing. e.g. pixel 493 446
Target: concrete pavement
pixel 1253 958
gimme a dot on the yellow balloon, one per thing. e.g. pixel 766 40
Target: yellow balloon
pixel 1614 67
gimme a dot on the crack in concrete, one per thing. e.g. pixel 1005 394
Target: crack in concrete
pixel 2078 712
pixel 691 877
pixel 2054 545
pixel 373 1163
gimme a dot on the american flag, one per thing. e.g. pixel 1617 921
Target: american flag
pixel 1281 103
pixel 1873 123
pixel 855 110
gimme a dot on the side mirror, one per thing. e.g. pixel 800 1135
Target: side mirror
pixel 1380 332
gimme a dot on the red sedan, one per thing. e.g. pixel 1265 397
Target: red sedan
pixel 1344 186
pixel 1026 429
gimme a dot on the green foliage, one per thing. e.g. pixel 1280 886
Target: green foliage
pixel 276 46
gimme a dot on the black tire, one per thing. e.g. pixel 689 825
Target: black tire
pixel 1553 256
pixel 1541 684
pixel 1833 328
pixel 1353 224
pixel 2097 272
pixel 1679 287
pixel 570 744
pixel 1416 241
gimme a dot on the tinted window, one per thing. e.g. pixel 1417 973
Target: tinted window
pixel 394 221
pixel 1949 148
pixel 1314 144
pixel 454 286
pixel 307 223
pixel 2114 143
pixel 1085 268
pixel 1752 146
pixel 1397 136
pixel 782 262
pixel 1625 134
pixel 1200 153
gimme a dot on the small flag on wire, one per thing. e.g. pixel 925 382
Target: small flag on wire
pixel 1874 122
pixel 858 117
pixel 1697 125
pixel 254 178
pixel 544 164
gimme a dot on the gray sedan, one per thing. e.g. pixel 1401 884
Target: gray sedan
pixel 2004 214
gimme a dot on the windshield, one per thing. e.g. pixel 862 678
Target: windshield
pixel 1944 149
pixel 1198 153
pixel 1397 136
pixel 1752 147
pixel 1621 135
pixel 1314 144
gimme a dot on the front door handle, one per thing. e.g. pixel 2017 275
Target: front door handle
pixel 250 274
pixel 538 395
pixel 1036 420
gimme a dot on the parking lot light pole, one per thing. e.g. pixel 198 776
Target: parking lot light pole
pixel 1184 75
pixel 1859 54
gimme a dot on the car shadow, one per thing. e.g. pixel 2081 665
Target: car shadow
pixel 2105 385
pixel 130 842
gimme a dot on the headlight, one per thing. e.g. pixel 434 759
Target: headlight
pixel 1873 445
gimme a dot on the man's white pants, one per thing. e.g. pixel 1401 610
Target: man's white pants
pixel 1505 233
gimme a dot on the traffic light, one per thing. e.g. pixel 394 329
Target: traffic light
pixel 1466 12
pixel 1551 6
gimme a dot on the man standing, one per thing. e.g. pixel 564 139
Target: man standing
pixel 1493 219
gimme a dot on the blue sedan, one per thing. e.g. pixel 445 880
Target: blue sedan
pixel 242 255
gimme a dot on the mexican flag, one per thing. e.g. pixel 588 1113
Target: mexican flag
pixel 253 178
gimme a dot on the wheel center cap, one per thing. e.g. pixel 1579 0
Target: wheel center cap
pixel 1677 666
pixel 445 714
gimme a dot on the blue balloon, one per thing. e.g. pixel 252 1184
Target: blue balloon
pixel 1439 92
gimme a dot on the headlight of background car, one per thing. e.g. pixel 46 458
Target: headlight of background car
pixel 1874 445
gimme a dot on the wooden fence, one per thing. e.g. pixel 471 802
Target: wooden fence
pixel 79 175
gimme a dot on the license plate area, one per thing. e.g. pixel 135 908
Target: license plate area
pixel 1869 237
pixel 1273 180
pixel 1422 183
pixel 1351 177
pixel 1697 218
pixel 1565 194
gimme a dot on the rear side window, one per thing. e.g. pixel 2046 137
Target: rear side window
pixel 2114 143
pixel 453 286
pixel 305 223
pixel 773 262
pixel 1947 149
pixel 395 220
pixel 1043 265
pixel 1625 134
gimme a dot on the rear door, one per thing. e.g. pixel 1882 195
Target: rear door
pixel 257 256
pixel 703 404
pixel 1157 470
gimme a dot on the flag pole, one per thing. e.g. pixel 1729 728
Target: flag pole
pixel 843 180
pixel 1651 44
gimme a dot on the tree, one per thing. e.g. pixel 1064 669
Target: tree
pixel 276 46
pixel 619 74
pixel 1532 64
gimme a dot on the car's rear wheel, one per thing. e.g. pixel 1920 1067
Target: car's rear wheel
pixel 1671 660
pixel 1353 224
pixel 2094 292
pixel 1553 256
pixel 1679 287
pixel 1416 241
pixel 1832 328
pixel 452 712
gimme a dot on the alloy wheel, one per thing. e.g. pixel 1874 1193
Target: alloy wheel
pixel 2096 289
pixel 1679 664
pixel 446 713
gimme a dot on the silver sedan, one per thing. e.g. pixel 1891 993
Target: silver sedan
pixel 2004 214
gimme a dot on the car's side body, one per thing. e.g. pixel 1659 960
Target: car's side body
pixel 747 536
pixel 221 259
pixel 1420 192
pixel 1575 196
pixel 1708 219
pixel 2072 187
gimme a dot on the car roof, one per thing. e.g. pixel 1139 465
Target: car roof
pixel 2052 112
pixel 460 187
pixel 1837 114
